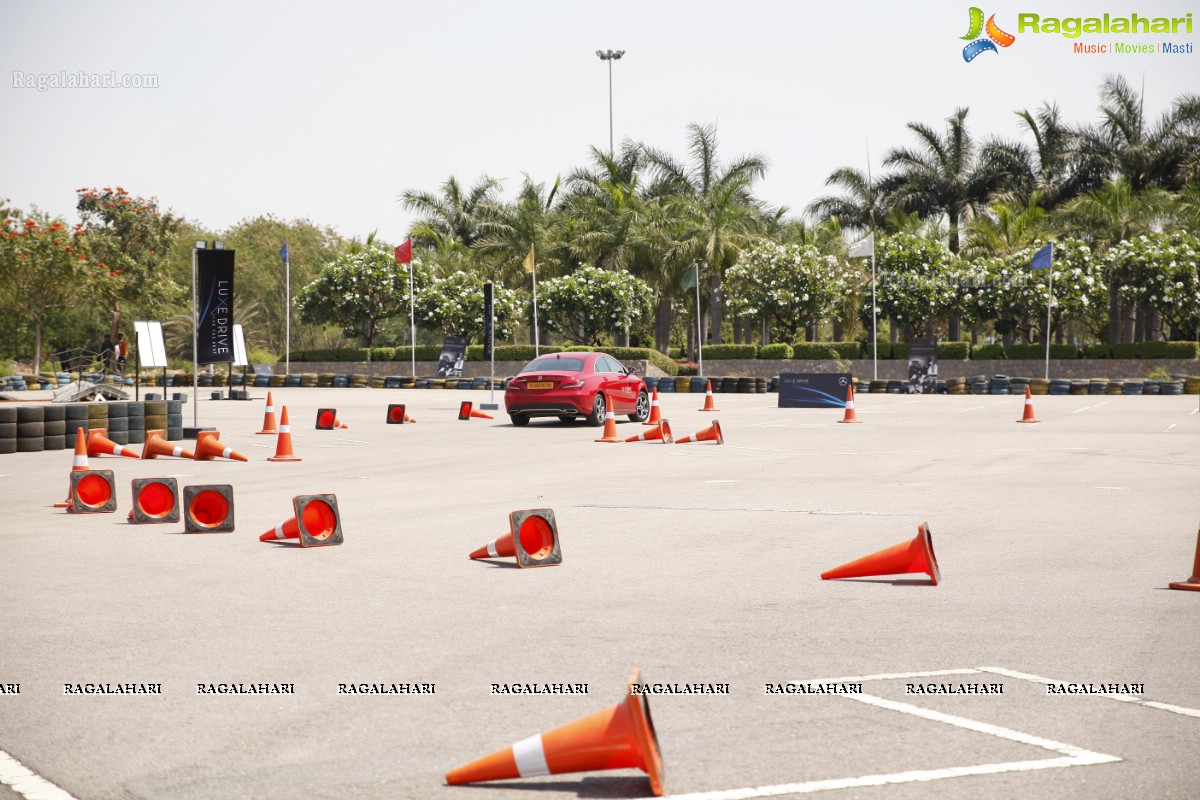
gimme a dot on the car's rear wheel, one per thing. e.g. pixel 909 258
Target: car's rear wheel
pixel 641 411
pixel 519 420
pixel 596 418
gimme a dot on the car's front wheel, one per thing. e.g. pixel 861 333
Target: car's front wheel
pixel 596 418
pixel 519 420
pixel 641 411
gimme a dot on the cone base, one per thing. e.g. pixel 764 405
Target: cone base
pixel 1190 585
pixel 851 421
pixel 265 433
pixel 285 458
pixel 63 504
pixel 1030 421
pixel 611 440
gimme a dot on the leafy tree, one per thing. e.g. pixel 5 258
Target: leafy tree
pixel 1056 169
pixel 589 302
pixel 357 291
pixel 609 203
pixel 453 218
pixel 862 206
pixel 1005 227
pixel 918 281
pixel 1161 272
pixel 455 304
pixel 786 285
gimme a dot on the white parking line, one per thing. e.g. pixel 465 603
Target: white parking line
pixel 1120 698
pixel 1168 428
pixel 26 782
pixel 1085 408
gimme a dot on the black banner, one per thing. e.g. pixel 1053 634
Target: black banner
pixel 922 366
pixel 214 299
pixel 454 353
pixel 813 389
pixel 489 333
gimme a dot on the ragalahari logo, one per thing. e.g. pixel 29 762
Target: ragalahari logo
pixel 995 36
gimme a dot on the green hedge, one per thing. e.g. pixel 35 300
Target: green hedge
pixel 1097 351
pixel 645 354
pixel 730 351
pixel 987 352
pixel 352 354
pixel 1156 350
pixel 954 351
pixel 777 350
pixel 900 351
pixel 1036 351
pixel 820 350
pixel 510 352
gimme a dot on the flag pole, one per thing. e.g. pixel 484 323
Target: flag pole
pixel 1049 306
pixel 412 322
pixel 287 347
pixel 536 336
pixel 874 319
pixel 699 329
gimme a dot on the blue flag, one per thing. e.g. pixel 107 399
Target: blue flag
pixel 1042 258
pixel 283 253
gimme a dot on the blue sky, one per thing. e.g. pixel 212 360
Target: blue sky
pixel 329 112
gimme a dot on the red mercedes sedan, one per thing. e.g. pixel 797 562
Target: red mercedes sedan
pixel 571 385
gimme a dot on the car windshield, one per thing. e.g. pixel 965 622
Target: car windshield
pixel 554 364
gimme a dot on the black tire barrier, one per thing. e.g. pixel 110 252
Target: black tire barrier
pixel 1097 387
pixel 175 420
pixel 174 407
pixel 746 385
pixel 118 411
pixel 324 379
pixel 156 408
pixel 895 387
pixel 174 434
pixel 118 425
pixel 262 381
pixel 31 444
pixel 55 443
pixel 8 446
pixel 137 423
pixel 156 422
pixel 53 413
pixel 31 429
pixel 1151 387
pixel 30 414
pixel 8 414
pixel 1132 387
pixel 666 386
pixel 57 427
pixel 761 385
pixel 309 380
pixel 276 381
pixel 292 380
pixel 8 430
pixel 97 415
pixel 340 381
pixel 392 382
pixel 773 385
pixel 1170 387
pixel 137 436
pixel 728 385
pixel 120 437
pixel 998 385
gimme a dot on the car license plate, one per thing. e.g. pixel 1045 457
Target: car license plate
pixel 540 384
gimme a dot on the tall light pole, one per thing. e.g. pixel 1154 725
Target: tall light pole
pixel 610 56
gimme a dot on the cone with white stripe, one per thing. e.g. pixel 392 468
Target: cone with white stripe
pixel 80 463
pixel 269 418
pixel 316 522
pixel 156 445
pixel 610 423
pixel 849 416
pixel 208 447
pixel 661 432
pixel 708 397
pixel 98 444
pixel 655 409
pixel 532 538
pixel 1028 416
pixel 710 434
pixel 283 445
pixel 620 737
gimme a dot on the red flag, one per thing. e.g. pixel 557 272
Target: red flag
pixel 404 252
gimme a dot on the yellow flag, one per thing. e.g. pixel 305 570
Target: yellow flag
pixel 530 260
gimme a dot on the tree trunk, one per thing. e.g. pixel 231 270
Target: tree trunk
pixel 663 319
pixel 766 332
pixel 894 331
pixel 955 328
pixel 1114 311
pixel 838 330
pixel 1129 323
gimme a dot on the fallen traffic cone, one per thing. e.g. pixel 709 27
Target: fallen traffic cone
pixel 655 409
pixel 610 423
pixel 208 447
pixel 711 433
pixel 849 415
pixel 98 444
pixel 80 463
pixel 620 737
pixel 208 509
pixel 1192 584
pixel 397 414
pixel 1028 416
pixel 283 445
pixel 532 537
pixel 316 523
pixel 93 492
pixel 902 559
pixel 708 397
pixel 156 445
pixel 327 419
pixel 466 411
pixel 269 418
pixel 660 433
pixel 155 500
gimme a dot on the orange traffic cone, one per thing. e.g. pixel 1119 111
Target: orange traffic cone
pixel 1192 584
pixel 610 423
pixel 93 492
pixel 532 537
pixel 655 409
pixel 465 411
pixel 660 433
pixel 711 433
pixel 155 500
pixel 316 522
pixel 156 446
pixel 708 397
pixel 906 557
pixel 80 464
pixel 98 444
pixel 269 418
pixel 1028 416
pixel 208 447
pixel 619 737
pixel 283 445
pixel 397 414
pixel 327 420
pixel 849 415
pixel 208 509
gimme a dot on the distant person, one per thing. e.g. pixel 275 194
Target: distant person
pixel 107 351
pixel 63 356
pixel 122 352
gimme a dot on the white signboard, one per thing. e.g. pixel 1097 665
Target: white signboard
pixel 239 347
pixel 152 351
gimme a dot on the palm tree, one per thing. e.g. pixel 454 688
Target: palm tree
pixel 607 201
pixel 1055 168
pixel 452 218
pixel 860 208
pixel 722 215
pixel 1005 227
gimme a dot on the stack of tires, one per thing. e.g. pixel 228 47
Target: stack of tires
pixel 118 423
pixel 956 386
pixel 1097 386
pixel 31 429
pixel 1151 387
pixel 308 379
pixel 1172 387
pixel 683 383
pixel 358 380
pixel 76 415
pixel 761 385
pixel 1039 386
pixel 1115 387
pixel 1059 386
pixel 276 381
pixel 174 419
pixel 999 384
pixel 977 384
pixel 97 416
pixel 292 379
pixel 1192 385
pixel 340 381
pixel 1132 387
pixel 1019 385
pixel 156 415
pixel 698 384
pixel 136 415
pixel 1079 386
pixel 666 385
pixel 55 422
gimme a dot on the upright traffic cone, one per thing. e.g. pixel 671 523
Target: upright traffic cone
pixel 208 509
pixel 661 432
pixel 98 444
pixel 208 447
pixel 1192 584
pixel 532 537
pixel 849 416
pixel 1028 416
pixel 620 737
pixel 80 464
pixel 156 445
pixel 902 559
pixel 93 492
pixel 710 434
pixel 466 411
pixel 316 522
pixel 610 423
pixel 397 414
pixel 655 409
pixel 708 397
pixel 283 445
pixel 269 418
pixel 155 500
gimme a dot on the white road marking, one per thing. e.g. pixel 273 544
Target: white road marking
pixel 891 676
pixel 1085 408
pixel 26 782
pixel 1172 425
pixel 1121 698
pixel 972 408
pixel 1118 488
pixel 720 481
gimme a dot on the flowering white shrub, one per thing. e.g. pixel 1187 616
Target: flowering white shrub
pixel 787 285
pixel 590 302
